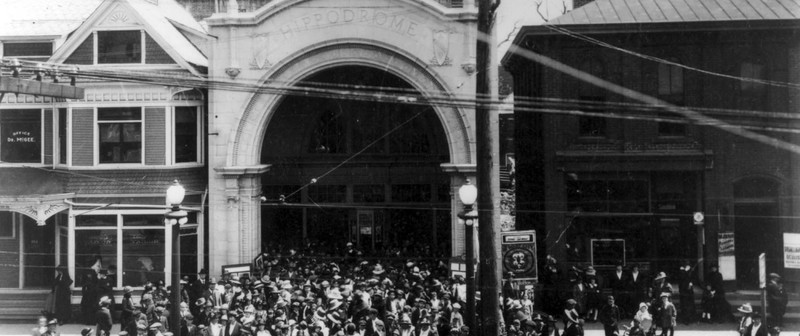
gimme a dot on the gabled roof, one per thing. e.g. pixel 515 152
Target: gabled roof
pixel 159 18
pixel 677 11
pixel 31 18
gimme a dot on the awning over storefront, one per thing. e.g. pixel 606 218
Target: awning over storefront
pixel 36 193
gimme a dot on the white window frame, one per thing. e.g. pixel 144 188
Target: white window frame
pixel 97 123
pixel 171 141
pixel 119 227
pixel 57 140
pixel 42 132
pixel 96 42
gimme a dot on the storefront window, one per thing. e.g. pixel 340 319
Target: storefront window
pixel 94 250
pixel 143 256
pixel 140 258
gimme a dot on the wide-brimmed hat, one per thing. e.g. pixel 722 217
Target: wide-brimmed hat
pixel 53 321
pixel 537 317
pixel 155 325
pixel 746 308
pixel 378 269
pixel 661 275
pixel 665 295
pixel 590 270
pixel 86 331
pixel 127 289
pixel 334 294
pixel 405 320
pixel 200 302
pixel 774 276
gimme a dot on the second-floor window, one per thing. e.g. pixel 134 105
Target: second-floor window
pixel 120 134
pixel 119 46
pixel 186 134
pixel 33 51
pixel 593 100
pixel 21 136
pixel 670 90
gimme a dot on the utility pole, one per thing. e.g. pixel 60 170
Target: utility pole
pixel 488 170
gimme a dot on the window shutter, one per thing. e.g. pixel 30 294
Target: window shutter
pixel 83 137
pixel 155 136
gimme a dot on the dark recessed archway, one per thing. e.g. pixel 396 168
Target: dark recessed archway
pixel 376 165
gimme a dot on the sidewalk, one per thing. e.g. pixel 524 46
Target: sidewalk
pixel 592 329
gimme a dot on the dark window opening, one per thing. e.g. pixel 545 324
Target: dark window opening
pixel 20 136
pixel 6 224
pixel 119 46
pixel 592 125
pixel 120 135
pixel 670 90
pixel 34 51
pixel 186 134
pixel 63 126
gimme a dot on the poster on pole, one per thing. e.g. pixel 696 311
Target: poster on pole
pixel 519 254
pixel 791 250
pixel 727 258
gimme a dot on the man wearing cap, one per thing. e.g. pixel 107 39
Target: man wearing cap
pixel 610 316
pixel 777 299
pixel 757 328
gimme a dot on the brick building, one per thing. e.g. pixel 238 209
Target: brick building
pixel 610 190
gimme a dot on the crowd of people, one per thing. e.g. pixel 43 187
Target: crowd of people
pixel 305 293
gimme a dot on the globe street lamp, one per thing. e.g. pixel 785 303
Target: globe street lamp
pixel 176 217
pixel 468 194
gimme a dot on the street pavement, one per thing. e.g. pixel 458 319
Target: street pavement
pixel 591 329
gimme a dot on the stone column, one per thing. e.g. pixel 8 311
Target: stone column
pixel 239 234
pixel 459 173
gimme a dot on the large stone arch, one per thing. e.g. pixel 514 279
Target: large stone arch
pixel 244 151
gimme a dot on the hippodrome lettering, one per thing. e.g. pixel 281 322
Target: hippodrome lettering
pixel 395 22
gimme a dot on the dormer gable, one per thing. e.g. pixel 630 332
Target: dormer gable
pixel 125 34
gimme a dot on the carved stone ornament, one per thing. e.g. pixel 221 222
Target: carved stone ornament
pixel 233 72
pixel 441 47
pixel 39 212
pixel 469 68
pixel 118 17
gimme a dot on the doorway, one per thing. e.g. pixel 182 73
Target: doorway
pixel 38 246
pixel 756 229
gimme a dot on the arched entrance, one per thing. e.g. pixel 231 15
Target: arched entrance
pixel 359 171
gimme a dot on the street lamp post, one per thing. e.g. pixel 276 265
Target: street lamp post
pixel 468 193
pixel 176 217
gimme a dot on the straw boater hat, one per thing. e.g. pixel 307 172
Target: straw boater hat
pixel 590 270
pixel 746 308
pixel 665 295
pixel 127 289
pixel 378 270
pixel 660 276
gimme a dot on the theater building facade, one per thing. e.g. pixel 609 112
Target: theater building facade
pixel 297 156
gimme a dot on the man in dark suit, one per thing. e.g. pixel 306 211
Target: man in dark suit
pixel 375 326
pixel 777 299
pixel 197 289
pixel 757 328
pixel 232 327
pixel 619 283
